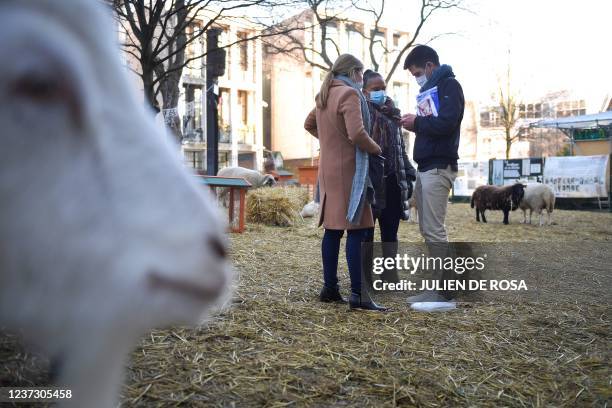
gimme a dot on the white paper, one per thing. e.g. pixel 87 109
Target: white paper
pixel 433 306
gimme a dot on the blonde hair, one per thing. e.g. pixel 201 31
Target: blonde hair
pixel 346 64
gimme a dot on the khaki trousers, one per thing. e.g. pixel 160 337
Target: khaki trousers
pixel 431 195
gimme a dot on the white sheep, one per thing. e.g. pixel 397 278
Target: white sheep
pixel 252 176
pixel 103 233
pixel 310 210
pixel 537 198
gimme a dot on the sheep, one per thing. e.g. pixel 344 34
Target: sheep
pixel 506 198
pixel 252 176
pixel 310 210
pixel 537 197
pixel 104 234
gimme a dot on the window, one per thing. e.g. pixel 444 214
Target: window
pixel 194 49
pixel 490 117
pixel 194 159
pixel 571 108
pixel 379 47
pixel 400 95
pixel 246 160
pixel 243 101
pixel 494 118
pixel 224 40
pixel 224 159
pixel 396 40
pixel 484 119
pixel 192 116
pixel 331 41
pixel 355 42
pixel 224 116
pixel 197 99
pixel 224 105
pixel 243 50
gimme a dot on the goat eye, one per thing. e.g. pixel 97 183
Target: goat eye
pixel 37 88
pixel 48 90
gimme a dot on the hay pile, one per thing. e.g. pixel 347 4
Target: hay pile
pixel 276 205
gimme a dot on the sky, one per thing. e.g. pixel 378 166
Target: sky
pixel 553 45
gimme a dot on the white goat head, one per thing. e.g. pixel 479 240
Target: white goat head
pixel 103 234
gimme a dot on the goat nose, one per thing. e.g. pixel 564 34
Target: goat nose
pixel 218 247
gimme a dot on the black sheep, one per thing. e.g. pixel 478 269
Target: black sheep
pixel 506 198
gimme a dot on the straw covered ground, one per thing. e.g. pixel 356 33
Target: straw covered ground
pixel 278 346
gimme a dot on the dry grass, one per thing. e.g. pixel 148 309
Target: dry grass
pixel 278 206
pixel 277 346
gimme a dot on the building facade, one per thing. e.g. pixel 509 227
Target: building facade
pixel 240 97
pixel 291 83
pixel 532 142
pixel 240 101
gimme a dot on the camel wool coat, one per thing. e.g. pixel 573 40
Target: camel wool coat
pixel 339 128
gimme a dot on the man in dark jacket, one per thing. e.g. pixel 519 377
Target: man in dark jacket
pixel 440 106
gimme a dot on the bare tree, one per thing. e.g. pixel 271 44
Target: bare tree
pixel 426 10
pixel 327 13
pixel 159 33
pixel 508 108
pixel 295 35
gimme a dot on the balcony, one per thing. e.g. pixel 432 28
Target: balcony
pixel 245 134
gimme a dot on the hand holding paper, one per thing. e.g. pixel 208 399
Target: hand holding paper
pixel 408 121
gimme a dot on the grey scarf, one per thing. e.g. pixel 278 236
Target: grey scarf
pixel 360 179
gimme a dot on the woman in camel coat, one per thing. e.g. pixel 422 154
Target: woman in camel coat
pixel 338 123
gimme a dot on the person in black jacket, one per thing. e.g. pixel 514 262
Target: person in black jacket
pixel 437 139
pixel 440 106
pixel 391 197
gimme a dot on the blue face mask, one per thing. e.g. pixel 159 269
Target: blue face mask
pixel 378 97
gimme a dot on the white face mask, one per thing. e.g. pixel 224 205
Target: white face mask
pixel 421 80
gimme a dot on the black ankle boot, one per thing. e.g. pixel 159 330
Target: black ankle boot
pixel 355 302
pixel 329 295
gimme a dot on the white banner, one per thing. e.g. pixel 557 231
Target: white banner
pixel 471 174
pixel 577 176
pixel 508 172
pixel 170 116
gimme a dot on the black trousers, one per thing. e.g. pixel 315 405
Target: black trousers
pixel 390 216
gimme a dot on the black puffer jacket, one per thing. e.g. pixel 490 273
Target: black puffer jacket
pixel 386 131
pixel 437 138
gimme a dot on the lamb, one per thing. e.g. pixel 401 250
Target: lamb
pixel 104 234
pixel 537 197
pixel 252 176
pixel 506 198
